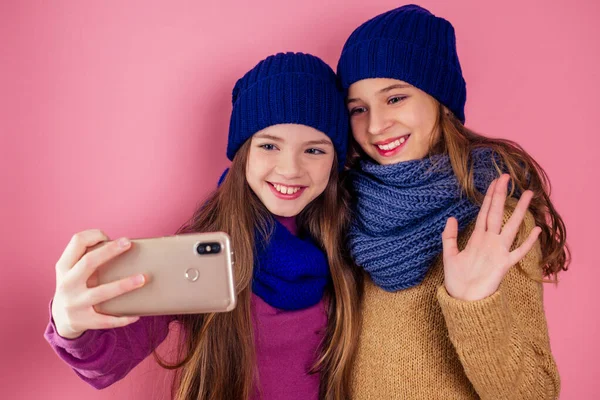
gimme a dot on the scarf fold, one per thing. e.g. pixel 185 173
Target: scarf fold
pixel 290 272
pixel 401 211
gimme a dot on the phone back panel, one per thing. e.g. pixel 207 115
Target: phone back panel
pixel 178 279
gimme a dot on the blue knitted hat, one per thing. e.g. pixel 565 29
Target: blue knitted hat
pixel 289 88
pixel 412 45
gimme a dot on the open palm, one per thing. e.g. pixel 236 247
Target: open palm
pixel 477 271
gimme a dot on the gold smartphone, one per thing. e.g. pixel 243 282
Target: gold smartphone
pixel 185 274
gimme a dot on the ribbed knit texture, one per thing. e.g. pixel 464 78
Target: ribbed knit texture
pixel 290 272
pixel 412 45
pixel 420 343
pixel 289 88
pixel 401 211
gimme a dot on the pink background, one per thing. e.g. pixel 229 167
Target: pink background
pixel 114 115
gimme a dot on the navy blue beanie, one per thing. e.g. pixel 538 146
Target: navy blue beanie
pixel 289 88
pixel 412 45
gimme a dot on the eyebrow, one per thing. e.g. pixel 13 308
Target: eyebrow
pixel 309 143
pixel 384 90
pixel 267 136
pixel 318 142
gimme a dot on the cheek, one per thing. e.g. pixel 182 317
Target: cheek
pixel 249 167
pixel 320 172
pixel 425 117
pixel 251 179
pixel 256 169
pixel 257 163
pixel 358 129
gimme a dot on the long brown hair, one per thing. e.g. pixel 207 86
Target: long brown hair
pixel 453 138
pixel 216 352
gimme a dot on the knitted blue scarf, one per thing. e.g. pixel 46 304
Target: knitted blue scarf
pixel 401 211
pixel 290 272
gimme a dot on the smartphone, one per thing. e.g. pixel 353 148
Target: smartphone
pixel 185 274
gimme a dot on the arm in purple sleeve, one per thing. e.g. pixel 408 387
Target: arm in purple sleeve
pixel 102 357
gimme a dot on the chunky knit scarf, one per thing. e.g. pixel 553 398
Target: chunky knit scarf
pixel 290 272
pixel 401 211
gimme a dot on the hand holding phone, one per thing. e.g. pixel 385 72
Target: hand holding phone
pixel 102 284
pixel 73 303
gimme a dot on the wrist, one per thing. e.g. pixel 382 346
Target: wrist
pixel 68 334
pixel 63 331
pixel 470 294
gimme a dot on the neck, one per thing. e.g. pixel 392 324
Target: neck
pixel 289 223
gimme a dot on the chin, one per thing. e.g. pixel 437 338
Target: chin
pixel 389 161
pixel 285 211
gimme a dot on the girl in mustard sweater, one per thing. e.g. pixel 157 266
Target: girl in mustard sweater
pixel 453 306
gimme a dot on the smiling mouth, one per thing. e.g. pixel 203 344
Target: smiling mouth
pixel 287 192
pixel 392 146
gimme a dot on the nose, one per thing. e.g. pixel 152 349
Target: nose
pixel 288 166
pixel 378 123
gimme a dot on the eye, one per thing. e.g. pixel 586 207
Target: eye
pixel 315 151
pixel 396 99
pixel 268 146
pixel 357 110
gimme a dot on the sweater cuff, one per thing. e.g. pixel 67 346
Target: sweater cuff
pixel 77 344
pixel 482 321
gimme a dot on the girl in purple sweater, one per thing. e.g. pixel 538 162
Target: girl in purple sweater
pixel 293 332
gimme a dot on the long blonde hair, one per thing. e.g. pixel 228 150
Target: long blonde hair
pixel 458 141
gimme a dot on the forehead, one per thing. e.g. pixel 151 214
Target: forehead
pixel 292 133
pixel 371 86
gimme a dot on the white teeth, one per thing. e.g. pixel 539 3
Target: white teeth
pixel 392 145
pixel 286 189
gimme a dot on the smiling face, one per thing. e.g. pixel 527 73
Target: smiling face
pixel 391 120
pixel 289 166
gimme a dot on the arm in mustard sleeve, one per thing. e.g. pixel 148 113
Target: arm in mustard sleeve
pixel 502 341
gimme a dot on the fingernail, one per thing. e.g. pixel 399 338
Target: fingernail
pixel 139 280
pixel 124 242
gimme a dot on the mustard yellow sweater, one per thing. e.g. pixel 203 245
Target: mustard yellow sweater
pixel 421 343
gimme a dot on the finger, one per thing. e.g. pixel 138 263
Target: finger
pixel 481 223
pixel 89 263
pixel 511 228
pixel 519 253
pixel 111 290
pixel 77 247
pixel 496 213
pixel 110 322
pixel 449 238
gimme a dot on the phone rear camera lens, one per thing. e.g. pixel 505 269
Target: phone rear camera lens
pixel 208 248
